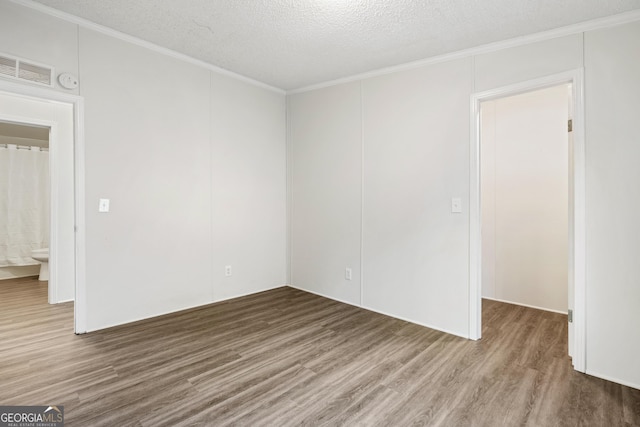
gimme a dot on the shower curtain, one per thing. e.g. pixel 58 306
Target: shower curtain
pixel 24 204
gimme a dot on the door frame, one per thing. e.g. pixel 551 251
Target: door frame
pixel 577 243
pixel 77 102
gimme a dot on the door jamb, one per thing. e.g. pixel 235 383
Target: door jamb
pixel 576 78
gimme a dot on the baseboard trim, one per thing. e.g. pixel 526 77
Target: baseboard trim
pixel 180 310
pixel 381 312
pixel 612 379
pixel 245 294
pixel 526 305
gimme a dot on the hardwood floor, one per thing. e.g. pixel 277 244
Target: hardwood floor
pixel 286 357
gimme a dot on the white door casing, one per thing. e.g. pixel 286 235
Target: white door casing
pixel 577 263
pixel 67 183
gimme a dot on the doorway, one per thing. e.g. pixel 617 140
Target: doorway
pixel 524 195
pixel 24 200
pixel 568 237
pixel 62 115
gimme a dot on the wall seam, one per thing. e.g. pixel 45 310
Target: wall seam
pixel 211 228
pixel 288 201
pixel 361 196
pixel 495 196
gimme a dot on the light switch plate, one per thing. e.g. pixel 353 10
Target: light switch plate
pixel 456 205
pixel 104 205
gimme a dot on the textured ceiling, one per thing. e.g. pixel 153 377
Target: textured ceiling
pixel 295 43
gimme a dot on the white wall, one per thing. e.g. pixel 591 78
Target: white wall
pixel 612 67
pixel 248 184
pixel 40 38
pixel 415 160
pixel 524 178
pixel 326 170
pixel 147 150
pixel 404 130
pixel 521 63
pixel 194 165
pixel 415 139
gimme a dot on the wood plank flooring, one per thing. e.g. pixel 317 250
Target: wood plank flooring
pixel 287 358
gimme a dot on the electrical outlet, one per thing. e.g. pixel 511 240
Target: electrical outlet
pixel 227 270
pixel 348 274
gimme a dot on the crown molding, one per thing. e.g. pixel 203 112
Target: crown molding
pixel 591 25
pixel 85 23
pixel 595 24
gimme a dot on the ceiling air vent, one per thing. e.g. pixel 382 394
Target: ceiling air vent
pixel 25 70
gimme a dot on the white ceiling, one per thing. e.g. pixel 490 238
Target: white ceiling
pixel 296 43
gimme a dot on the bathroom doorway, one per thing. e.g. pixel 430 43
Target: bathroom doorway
pixel 61 116
pixel 24 201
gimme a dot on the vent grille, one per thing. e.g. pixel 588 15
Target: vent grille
pixel 34 73
pixel 25 70
pixel 8 66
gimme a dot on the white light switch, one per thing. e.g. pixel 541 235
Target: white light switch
pixel 456 205
pixel 104 205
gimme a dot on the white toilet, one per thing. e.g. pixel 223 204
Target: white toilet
pixel 42 255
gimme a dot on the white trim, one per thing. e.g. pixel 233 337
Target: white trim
pixel 54 219
pixel 361 195
pixel 196 306
pixel 526 305
pixel 578 353
pixel 581 27
pixel 44 94
pixel 80 306
pixel 380 312
pixel 289 188
pixel 576 78
pixel 475 239
pixel 85 23
pixel 290 201
pixel 613 379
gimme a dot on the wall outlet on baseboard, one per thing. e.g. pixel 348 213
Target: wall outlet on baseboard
pixel 348 275
pixel 227 271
